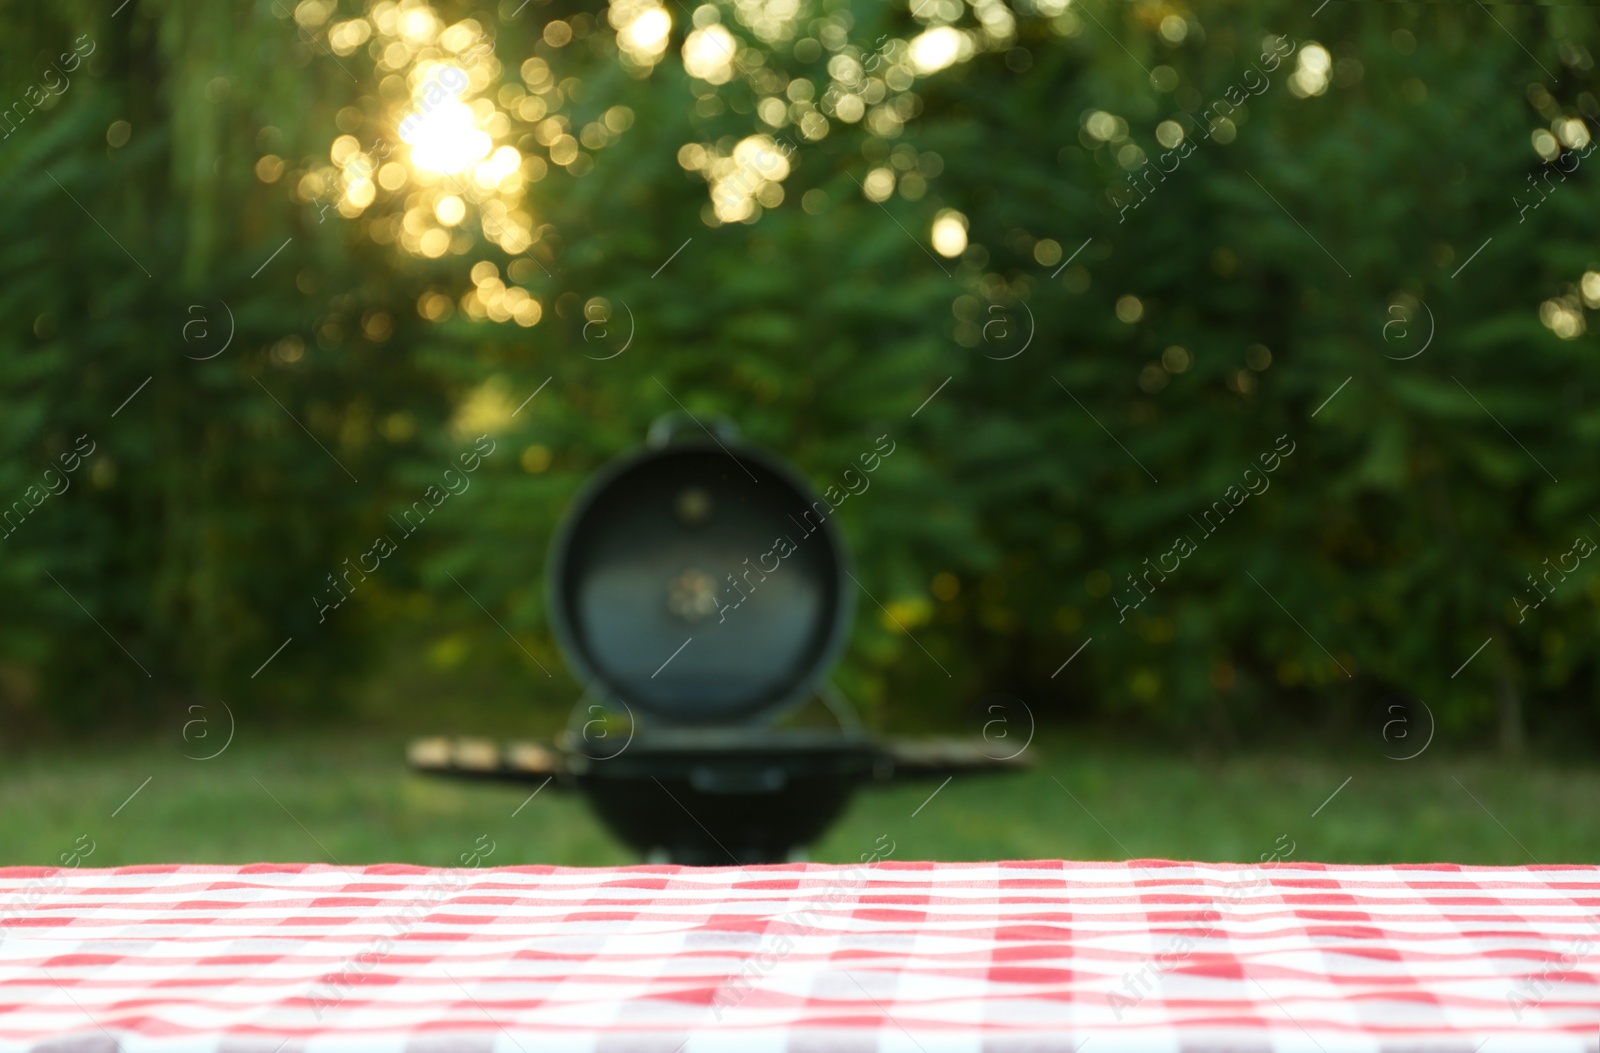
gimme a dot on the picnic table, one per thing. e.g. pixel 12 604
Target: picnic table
pixel 885 955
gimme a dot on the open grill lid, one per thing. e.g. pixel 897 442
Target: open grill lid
pixel 697 582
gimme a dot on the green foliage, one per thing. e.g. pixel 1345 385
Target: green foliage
pixel 197 531
pixel 1390 543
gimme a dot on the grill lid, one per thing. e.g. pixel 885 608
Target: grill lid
pixel 699 582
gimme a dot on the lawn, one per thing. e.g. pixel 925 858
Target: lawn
pixel 332 797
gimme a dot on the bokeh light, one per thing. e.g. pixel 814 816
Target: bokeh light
pixel 1310 77
pixel 446 137
pixel 709 53
pixel 949 234
pixel 939 48
pixel 642 29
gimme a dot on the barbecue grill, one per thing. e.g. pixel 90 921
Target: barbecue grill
pixel 701 592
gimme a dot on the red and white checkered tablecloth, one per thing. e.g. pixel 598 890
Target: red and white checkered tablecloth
pixel 899 957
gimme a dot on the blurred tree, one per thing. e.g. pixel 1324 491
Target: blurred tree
pixel 1085 263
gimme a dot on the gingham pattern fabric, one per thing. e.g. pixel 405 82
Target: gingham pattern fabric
pixel 899 957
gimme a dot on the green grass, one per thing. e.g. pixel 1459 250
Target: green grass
pixel 349 798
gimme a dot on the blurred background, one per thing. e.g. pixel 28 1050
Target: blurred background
pixel 1306 287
